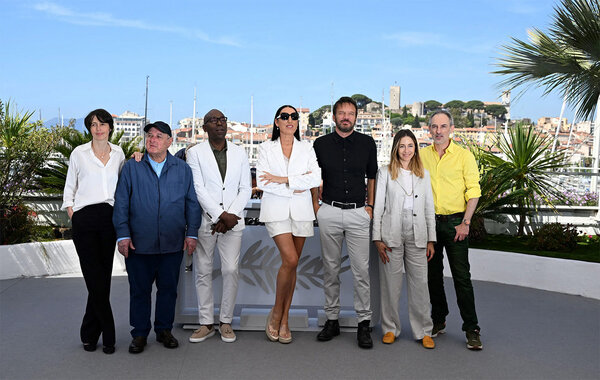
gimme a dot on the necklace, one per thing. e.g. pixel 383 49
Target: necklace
pixel 100 156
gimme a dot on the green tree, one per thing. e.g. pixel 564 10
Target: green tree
pixel 495 110
pixel 566 59
pixel 54 174
pixel 317 115
pixel 470 119
pixel 497 194
pixel 361 100
pixel 404 112
pixel 431 105
pixel 416 122
pixel 24 147
pixel 474 105
pixel 396 121
pixel 458 104
pixel 527 166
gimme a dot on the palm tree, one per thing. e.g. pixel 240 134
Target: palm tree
pixel 497 190
pixel 526 168
pixel 566 59
pixel 54 174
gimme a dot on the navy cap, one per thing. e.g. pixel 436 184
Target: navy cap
pixel 161 126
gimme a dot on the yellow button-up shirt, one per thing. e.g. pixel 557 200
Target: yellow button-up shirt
pixel 454 178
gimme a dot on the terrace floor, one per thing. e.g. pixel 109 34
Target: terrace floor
pixel 527 334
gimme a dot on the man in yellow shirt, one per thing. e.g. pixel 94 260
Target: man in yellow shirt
pixel 455 184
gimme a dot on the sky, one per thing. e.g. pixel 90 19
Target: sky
pixel 82 55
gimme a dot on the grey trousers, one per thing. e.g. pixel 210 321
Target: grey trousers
pixel 413 260
pixel 336 224
pixel 229 245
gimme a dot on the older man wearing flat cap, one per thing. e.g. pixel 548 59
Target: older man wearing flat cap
pixel 156 217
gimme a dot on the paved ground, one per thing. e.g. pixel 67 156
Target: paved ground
pixel 527 334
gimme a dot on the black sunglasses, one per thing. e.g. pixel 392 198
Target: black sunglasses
pixel 285 116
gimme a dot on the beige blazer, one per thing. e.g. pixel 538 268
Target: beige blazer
pixel 214 194
pixel 279 202
pixel 389 202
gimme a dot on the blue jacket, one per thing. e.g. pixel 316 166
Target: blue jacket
pixel 153 211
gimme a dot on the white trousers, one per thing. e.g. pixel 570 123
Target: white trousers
pixel 413 260
pixel 229 245
pixel 336 224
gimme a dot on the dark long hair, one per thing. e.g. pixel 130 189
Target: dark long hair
pixel 103 116
pixel 275 134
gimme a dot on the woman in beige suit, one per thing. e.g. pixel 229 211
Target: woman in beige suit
pixel 287 169
pixel 404 233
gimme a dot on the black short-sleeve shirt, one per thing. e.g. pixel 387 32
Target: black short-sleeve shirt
pixel 345 162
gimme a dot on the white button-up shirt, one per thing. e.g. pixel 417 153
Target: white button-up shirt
pixel 88 180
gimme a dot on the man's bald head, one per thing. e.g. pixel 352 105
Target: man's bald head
pixel 213 113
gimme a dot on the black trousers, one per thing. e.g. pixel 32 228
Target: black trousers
pixel 94 237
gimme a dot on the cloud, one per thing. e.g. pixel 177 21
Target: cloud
pixel 106 19
pixel 409 39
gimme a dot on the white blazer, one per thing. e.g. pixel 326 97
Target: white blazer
pixel 279 202
pixel 389 202
pixel 214 194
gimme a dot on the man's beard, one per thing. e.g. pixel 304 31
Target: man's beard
pixel 344 129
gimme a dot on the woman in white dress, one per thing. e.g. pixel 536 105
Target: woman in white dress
pixel 287 169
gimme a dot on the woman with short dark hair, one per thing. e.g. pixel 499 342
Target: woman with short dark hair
pixel 88 198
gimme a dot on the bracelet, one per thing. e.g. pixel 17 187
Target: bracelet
pixel 369 206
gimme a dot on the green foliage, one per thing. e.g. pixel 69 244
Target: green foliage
pixel 495 110
pixel 585 251
pixel 361 100
pixel 317 115
pixel 24 147
pixel 470 120
pixel 566 59
pixel 474 105
pixel 431 105
pixel 54 174
pixel 416 122
pixel 555 237
pixel 396 121
pixel 497 193
pixel 404 112
pixel 455 104
pixel 527 166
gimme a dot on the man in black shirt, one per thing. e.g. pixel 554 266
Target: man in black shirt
pixel 346 157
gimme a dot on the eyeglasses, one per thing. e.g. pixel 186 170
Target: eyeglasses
pixel 285 116
pixel 215 120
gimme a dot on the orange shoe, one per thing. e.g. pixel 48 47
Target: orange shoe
pixel 389 338
pixel 428 342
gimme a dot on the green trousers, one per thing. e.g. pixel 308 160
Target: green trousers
pixel 458 258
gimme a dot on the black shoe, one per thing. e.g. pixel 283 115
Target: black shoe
pixel 363 335
pixel 167 339
pixel 438 328
pixel 331 329
pixel 89 347
pixel 137 344
pixel 108 349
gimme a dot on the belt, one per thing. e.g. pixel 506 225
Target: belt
pixel 342 205
pixel 445 218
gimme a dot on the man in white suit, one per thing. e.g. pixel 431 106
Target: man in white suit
pixel 223 187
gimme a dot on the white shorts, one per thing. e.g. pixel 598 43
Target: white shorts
pixel 300 229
